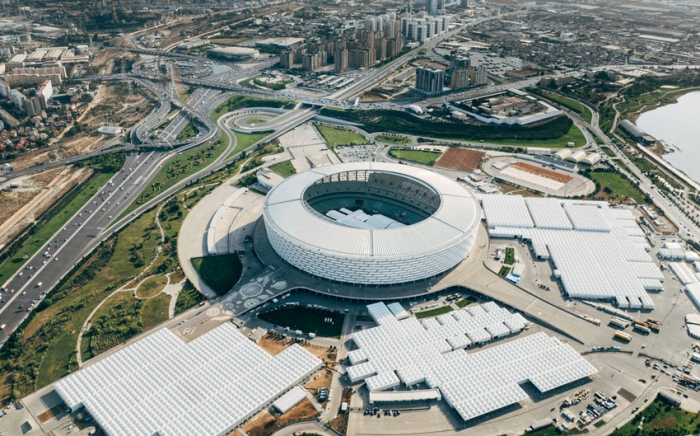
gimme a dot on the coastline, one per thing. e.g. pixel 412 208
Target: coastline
pixel 677 93
pixel 658 152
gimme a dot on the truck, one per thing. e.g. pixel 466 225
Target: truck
pixel 622 335
pixel 619 322
pixel 642 328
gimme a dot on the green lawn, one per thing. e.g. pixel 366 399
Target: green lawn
pixel 418 156
pixel 252 121
pixel 618 185
pixel 504 271
pixel 190 131
pixel 567 102
pixel 117 320
pixel 661 418
pixel 180 167
pixel 608 152
pixel 151 286
pixel 573 135
pixel 335 137
pixel 155 310
pixel 220 272
pixel 284 169
pixel 465 302
pixel 45 231
pixel 434 312
pixel 510 256
pixel 393 139
pixel 245 140
pixel 187 298
pixel 241 102
pixel 553 133
pixel 306 319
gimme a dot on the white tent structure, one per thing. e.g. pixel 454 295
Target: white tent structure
pixel 411 352
pixel 207 387
pixel 599 252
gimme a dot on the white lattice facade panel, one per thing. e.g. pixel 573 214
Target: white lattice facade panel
pixel 326 248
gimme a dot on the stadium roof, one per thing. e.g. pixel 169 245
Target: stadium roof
pixel 289 214
pixel 161 385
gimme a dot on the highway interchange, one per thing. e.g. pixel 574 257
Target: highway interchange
pixel 85 230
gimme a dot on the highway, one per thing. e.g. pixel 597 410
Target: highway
pixel 81 234
pixel 84 230
pixel 181 120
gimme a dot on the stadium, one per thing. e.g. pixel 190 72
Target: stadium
pixel 371 223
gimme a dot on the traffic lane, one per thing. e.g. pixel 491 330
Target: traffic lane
pixel 77 239
pixel 57 242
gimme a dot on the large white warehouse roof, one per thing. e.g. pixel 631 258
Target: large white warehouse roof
pixel 207 387
pixel 599 252
pixel 474 384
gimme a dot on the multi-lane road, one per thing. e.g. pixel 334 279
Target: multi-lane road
pixel 81 234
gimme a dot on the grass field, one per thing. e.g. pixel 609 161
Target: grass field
pixel 44 232
pixel 190 131
pixel 434 312
pixel 567 102
pixel 504 271
pixel 661 418
pixel 573 135
pixel 510 256
pixel 151 286
pixel 608 152
pixel 393 139
pixel 284 169
pixel 241 102
pixel 306 319
pixel 180 167
pixel 220 272
pixel 464 302
pixel 187 298
pixel 618 184
pixel 335 137
pixel 418 156
pixel 117 320
pixel 254 121
pixel 245 140
pixel 155 310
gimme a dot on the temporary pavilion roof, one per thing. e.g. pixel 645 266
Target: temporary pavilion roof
pixel 472 383
pixel 207 387
pixel 598 251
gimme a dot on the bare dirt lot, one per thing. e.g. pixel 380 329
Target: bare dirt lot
pixel 519 190
pixel 21 206
pixel 265 424
pixel 460 159
pixel 543 172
